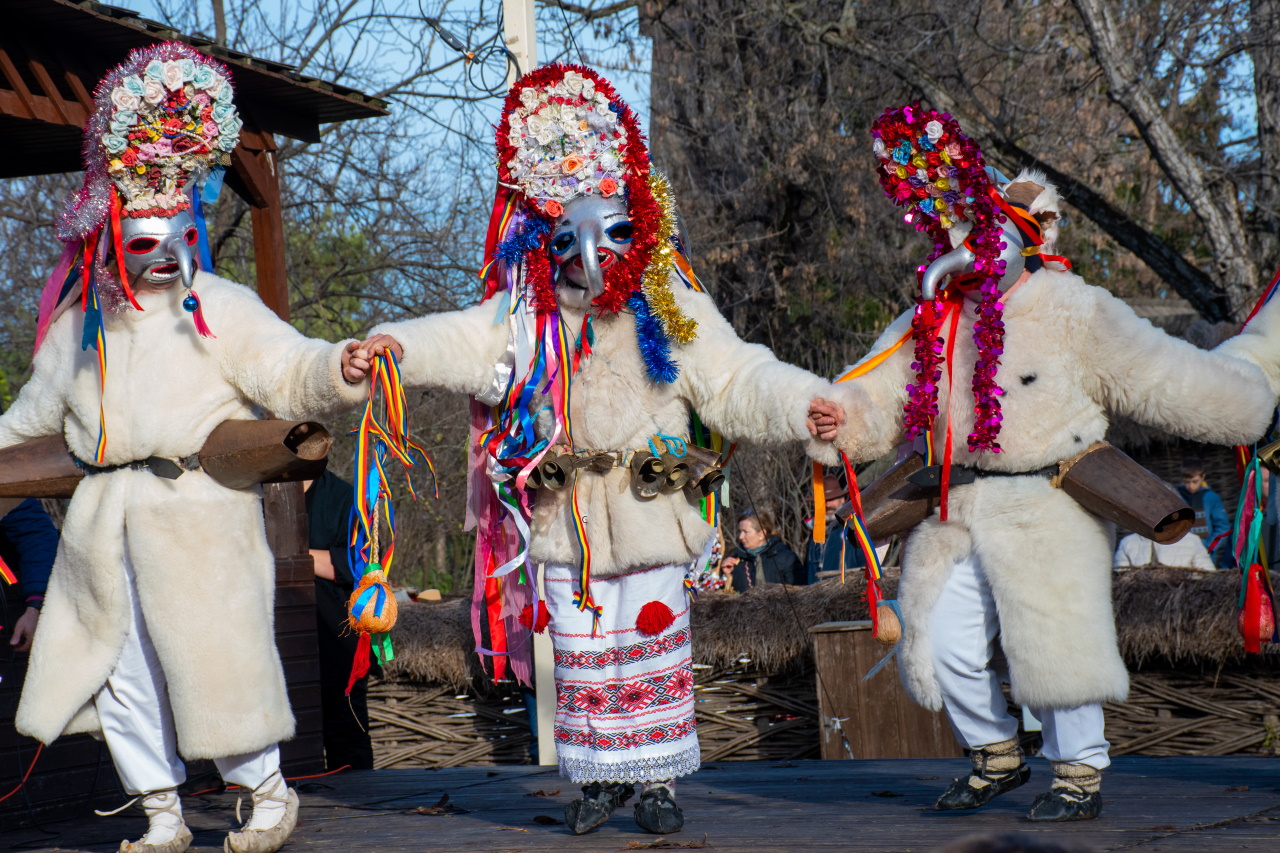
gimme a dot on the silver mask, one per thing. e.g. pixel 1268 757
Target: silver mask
pixel 160 250
pixel 961 258
pixel 589 238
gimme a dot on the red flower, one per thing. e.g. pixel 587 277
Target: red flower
pixel 129 156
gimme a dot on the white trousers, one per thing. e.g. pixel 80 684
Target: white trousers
pixel 137 722
pixel 963 628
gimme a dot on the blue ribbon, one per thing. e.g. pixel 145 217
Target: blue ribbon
pixel 202 230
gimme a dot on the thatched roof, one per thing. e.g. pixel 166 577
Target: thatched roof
pixel 1163 616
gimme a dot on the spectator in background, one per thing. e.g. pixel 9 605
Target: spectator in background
pixel 825 557
pixel 28 544
pixel 762 558
pixel 1211 518
pixel 346 723
pixel 1137 552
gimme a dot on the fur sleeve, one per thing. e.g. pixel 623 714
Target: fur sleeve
pixel 41 406
pixel 873 401
pixel 1259 343
pixel 742 390
pixel 456 350
pixel 1168 383
pixel 272 363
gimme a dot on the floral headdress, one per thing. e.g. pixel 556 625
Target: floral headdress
pixel 163 124
pixel 937 173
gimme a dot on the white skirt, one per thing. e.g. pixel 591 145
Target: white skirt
pixel 624 699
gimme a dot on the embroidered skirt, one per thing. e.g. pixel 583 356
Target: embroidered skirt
pixel 624 699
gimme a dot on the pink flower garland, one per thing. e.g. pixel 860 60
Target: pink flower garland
pixel 929 167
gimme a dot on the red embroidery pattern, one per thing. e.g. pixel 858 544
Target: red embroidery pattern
pixel 620 655
pixel 629 697
pixel 625 740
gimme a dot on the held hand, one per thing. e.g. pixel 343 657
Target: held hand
pixel 357 357
pixel 825 419
pixel 24 630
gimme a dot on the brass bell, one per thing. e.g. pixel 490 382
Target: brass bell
pixel 647 474
pixel 676 473
pixel 705 472
pixel 1269 456
pixel 552 473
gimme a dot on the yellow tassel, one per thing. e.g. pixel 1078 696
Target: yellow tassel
pixel 656 281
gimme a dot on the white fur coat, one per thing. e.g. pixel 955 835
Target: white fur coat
pixel 205 576
pixel 737 389
pixel 1073 354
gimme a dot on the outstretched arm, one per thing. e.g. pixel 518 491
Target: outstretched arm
pixel 455 350
pixel 1165 382
pixel 272 363
pixel 875 391
pixel 742 390
pixel 1259 343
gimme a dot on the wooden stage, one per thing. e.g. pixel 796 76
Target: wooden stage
pixel 1171 805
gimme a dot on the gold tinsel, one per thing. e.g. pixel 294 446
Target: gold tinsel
pixel 656 281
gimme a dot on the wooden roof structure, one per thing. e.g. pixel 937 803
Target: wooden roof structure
pixel 53 52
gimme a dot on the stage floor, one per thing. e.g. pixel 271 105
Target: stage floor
pixel 1171 805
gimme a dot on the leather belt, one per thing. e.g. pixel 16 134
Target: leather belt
pixel 931 476
pixel 161 466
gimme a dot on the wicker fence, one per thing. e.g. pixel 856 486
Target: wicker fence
pixel 1193 692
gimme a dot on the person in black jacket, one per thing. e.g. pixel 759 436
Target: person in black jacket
pixel 762 558
pixel 346 723
pixel 28 544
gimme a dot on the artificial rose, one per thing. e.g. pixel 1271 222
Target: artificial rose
pixel 222 111
pixel 113 144
pixel 209 129
pixel 154 91
pixel 603 108
pixel 230 133
pixel 553 208
pixel 163 147
pixel 122 121
pixel 129 157
pixel 573 83
pixel 538 124
pixel 877 145
pixel 188 67
pixel 124 99
pixel 608 186
pixel 223 93
pixel 933 130
pixel 172 75
pixel 147 152
pixel 572 163
pixel 529 97
pixel 204 77
pixel 568 115
pixel 513 137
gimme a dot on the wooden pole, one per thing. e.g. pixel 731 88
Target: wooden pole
pixel 520 32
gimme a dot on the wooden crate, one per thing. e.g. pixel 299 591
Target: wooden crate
pixel 870 719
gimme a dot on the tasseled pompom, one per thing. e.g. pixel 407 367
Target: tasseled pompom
pixel 526 617
pixel 655 617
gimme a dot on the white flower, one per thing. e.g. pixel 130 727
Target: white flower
pixel 877 145
pixel 568 115
pixel 538 124
pixel 933 130
pixel 514 136
pixel 172 75
pixel 529 97
pixel 603 108
pixel 124 99
pixel 188 67
pixel 572 83
pixel 154 70
pixel 154 93
pixel 922 175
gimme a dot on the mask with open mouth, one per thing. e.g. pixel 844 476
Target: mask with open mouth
pixel 588 240
pixel 160 250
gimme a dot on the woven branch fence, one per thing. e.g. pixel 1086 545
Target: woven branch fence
pixel 1193 689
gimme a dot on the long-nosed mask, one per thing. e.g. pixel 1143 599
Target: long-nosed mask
pixel 590 237
pixel 160 250
pixel 959 261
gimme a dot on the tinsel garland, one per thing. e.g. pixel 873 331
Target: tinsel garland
pixel 938 174
pixel 655 346
pixel 656 283
pixel 529 236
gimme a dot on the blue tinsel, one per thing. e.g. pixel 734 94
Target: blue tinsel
pixel 525 239
pixel 655 349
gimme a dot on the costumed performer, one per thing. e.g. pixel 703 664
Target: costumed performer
pixel 598 368
pixel 157 625
pixel 1049 359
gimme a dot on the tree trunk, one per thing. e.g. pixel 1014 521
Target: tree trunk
pixel 1222 223
pixel 1264 17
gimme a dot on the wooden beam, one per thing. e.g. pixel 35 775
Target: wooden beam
pixel 254 164
pixel 20 90
pixel 68 113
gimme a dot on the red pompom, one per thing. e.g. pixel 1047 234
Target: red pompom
pixel 1257 618
pixel 526 617
pixel 655 617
